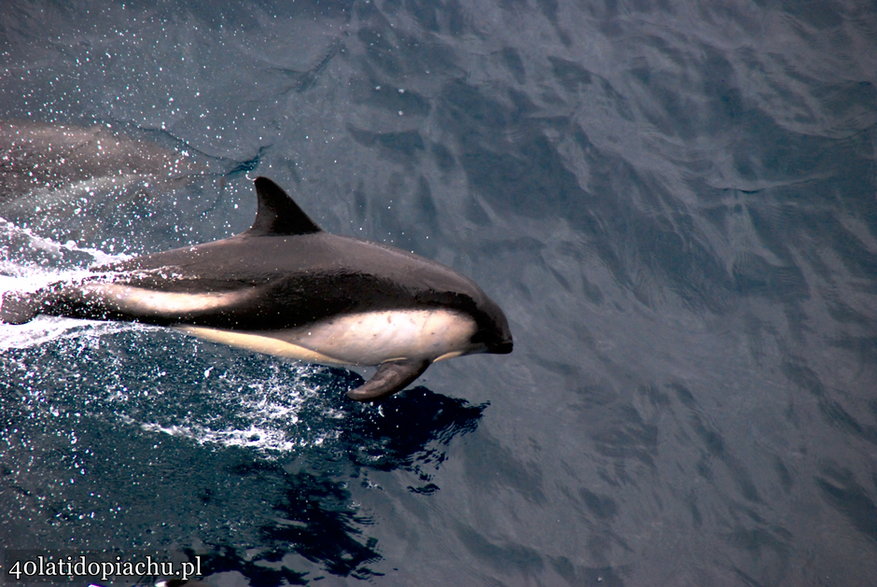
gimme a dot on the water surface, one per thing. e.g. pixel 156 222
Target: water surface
pixel 674 204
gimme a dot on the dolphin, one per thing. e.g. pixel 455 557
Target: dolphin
pixel 287 288
pixel 38 159
pixel 63 180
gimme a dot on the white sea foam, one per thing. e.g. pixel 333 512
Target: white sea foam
pixel 11 233
pixel 19 274
pixel 45 329
pixel 266 417
pixel 264 440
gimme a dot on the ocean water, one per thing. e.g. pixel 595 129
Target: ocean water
pixel 675 203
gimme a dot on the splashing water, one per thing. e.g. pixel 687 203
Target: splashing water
pixel 29 262
pixel 259 413
pixel 24 252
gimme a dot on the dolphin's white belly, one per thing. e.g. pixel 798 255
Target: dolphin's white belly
pixel 366 338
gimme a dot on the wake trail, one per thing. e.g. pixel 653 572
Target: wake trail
pixel 29 262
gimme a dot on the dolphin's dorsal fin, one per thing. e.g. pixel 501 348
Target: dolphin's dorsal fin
pixel 278 214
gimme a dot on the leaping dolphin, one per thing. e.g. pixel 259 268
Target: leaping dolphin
pixel 287 288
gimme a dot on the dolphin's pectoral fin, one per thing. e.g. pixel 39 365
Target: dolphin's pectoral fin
pixel 390 377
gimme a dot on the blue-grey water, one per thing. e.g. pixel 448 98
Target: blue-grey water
pixel 674 202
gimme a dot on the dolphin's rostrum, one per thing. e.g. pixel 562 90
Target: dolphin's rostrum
pixel 285 287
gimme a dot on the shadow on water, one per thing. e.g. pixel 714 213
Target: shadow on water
pixel 315 518
pixel 257 469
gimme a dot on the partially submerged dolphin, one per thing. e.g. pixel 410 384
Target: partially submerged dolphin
pixel 285 287
pixel 38 159
pixel 71 182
